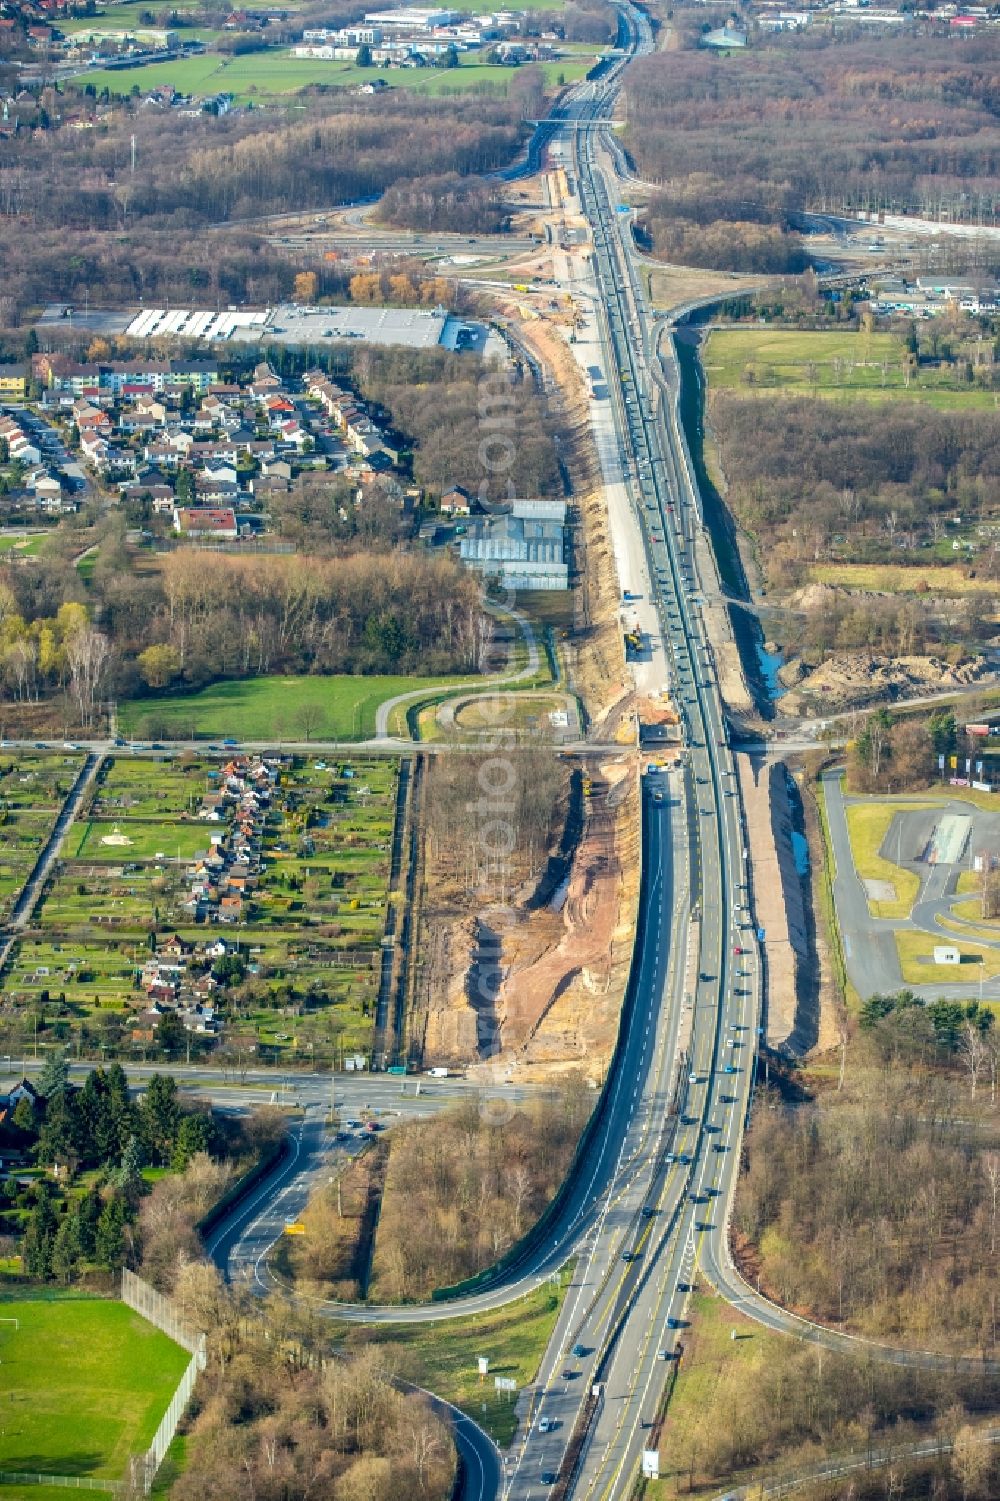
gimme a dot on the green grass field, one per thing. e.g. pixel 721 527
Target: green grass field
pixel 916 960
pixel 85 1384
pixel 27 544
pixel 272 708
pixel 845 366
pixel 715 1369
pixel 265 74
pixel 134 840
pixel 443 1356
pixel 887 578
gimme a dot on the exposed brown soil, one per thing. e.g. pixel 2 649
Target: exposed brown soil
pixel 856 679
pixel 561 997
pixel 564 961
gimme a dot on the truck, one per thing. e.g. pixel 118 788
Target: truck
pixel 438 1073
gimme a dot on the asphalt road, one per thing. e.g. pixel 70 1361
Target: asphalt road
pixel 645 1324
pixel 658 1169
pixel 632 1107
pixel 869 946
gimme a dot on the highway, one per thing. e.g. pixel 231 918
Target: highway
pixel 631 1115
pixel 654 1176
pixel 638 1325
pixel 654 1179
pixel 646 1209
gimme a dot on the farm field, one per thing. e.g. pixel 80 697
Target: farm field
pixel 274 708
pixel 304 935
pixel 86 1382
pixel 263 74
pixel 844 366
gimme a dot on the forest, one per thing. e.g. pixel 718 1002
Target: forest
pixel 140 234
pixel 885 475
pixel 904 124
pixel 448 202
pixel 214 615
pixel 456 1194
pixel 877 1209
pixel 417 386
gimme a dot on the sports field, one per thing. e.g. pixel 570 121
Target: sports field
pixel 263 74
pixel 85 1384
pixel 841 366
pixel 274 708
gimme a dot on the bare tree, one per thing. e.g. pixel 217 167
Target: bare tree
pixel 971 1461
pixel 87 653
pixel 309 718
pixel 991 1167
pixel 973 1053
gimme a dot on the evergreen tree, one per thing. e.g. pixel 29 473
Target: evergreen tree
pixel 159 1118
pixel 91 1208
pixel 59 1137
pixel 122 1113
pixel 40 1233
pixel 109 1248
pixel 129 1175
pixel 54 1078
pixel 66 1248
pixel 24 1116
pixel 93 1114
pixel 192 1137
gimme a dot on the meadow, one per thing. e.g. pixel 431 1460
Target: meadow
pixel 86 1382
pixel 443 1356
pixel 837 365
pixel 270 74
pixel 889 578
pixel 274 708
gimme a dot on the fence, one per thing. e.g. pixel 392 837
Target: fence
pixel 145 1300
pixel 59 1482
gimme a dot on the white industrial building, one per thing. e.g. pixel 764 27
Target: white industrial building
pixel 411 18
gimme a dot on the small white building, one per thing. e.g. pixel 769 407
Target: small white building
pixel 946 953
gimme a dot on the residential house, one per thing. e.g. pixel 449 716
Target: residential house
pixel 206 521
pixel 13 382
pixel 456 502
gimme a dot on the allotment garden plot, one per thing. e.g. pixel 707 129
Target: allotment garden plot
pixel 245 895
pixel 33 788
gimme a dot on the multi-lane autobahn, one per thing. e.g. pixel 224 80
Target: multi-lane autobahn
pixel 657 1170
pixel 647 1204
